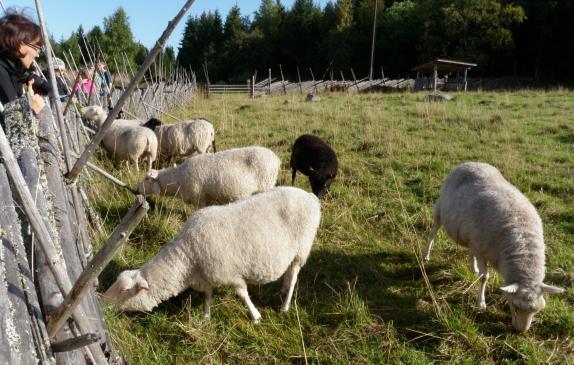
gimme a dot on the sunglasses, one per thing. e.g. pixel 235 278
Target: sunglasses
pixel 36 48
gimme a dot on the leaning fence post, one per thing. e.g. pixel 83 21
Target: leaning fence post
pixel 54 88
pixel 91 148
pixel 97 265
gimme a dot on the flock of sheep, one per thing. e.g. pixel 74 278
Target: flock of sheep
pixel 251 232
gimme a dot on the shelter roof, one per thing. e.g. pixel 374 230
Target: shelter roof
pixel 444 65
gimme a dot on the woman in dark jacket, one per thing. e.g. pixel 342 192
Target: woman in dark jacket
pixel 21 43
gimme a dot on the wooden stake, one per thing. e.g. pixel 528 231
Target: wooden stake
pixel 97 265
pixel 75 343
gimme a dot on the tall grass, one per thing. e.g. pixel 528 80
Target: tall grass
pixel 364 295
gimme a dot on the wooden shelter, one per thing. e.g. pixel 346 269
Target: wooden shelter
pixel 445 68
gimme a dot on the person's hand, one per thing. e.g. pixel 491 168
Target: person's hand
pixel 36 100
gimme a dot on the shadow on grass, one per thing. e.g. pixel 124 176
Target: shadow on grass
pixel 336 290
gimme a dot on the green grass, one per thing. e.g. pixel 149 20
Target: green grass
pixel 363 296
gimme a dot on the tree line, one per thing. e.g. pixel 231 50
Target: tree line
pixel 529 38
pixel 506 38
pixel 114 43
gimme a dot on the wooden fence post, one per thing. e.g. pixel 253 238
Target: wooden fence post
pixel 269 81
pixel 96 266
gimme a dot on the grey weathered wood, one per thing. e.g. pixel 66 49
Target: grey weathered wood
pixel 75 343
pixel 29 164
pixel 96 266
pixel 42 233
pixel 112 178
pixel 91 148
pixel 164 113
pixel 70 241
pixel 59 114
pixel 23 338
pixel 94 218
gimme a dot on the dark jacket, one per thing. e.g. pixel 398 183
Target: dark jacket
pixel 10 85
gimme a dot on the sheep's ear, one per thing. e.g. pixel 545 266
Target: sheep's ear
pixel 512 288
pixel 152 174
pixel 550 289
pixel 142 285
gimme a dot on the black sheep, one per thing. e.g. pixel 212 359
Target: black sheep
pixel 152 123
pixel 316 159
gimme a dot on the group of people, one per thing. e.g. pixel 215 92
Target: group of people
pixel 100 83
pixel 21 43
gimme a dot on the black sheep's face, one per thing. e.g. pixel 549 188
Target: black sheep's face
pixel 320 184
pixel 152 123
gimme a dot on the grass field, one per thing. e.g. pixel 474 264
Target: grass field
pixel 364 297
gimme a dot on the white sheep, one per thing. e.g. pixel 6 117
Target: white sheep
pixel 216 178
pixel 252 241
pixel 481 210
pixel 184 138
pixel 125 139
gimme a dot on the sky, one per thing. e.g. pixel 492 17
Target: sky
pixel 148 19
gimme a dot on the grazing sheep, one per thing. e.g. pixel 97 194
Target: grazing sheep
pixel 481 210
pixel 316 159
pixel 184 138
pixel 98 115
pixel 251 241
pixel 216 178
pixel 125 139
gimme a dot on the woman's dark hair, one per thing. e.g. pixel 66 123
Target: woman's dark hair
pixel 15 29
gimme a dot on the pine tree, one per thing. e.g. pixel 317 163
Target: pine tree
pixel 118 39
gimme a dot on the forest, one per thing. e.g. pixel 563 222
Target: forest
pixel 521 38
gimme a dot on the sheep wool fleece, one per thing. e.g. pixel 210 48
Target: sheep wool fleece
pixel 252 241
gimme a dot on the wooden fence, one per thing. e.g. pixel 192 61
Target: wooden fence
pixel 271 87
pixel 49 312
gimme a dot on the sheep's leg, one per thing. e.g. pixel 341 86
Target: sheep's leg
pixel 432 234
pixel 294 271
pixel 242 293
pixel 435 227
pixel 293 173
pixel 286 281
pixel 149 163
pixel 483 272
pixel 207 303
pixel 472 263
pixel 128 165
pixel 137 165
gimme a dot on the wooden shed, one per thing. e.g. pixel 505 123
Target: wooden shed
pixel 454 74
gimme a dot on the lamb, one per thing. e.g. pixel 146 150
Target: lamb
pixel 481 210
pixel 125 139
pixel 251 241
pixel 184 138
pixel 216 178
pixel 316 159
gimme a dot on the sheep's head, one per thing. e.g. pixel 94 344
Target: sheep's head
pixel 150 184
pixel 321 181
pixel 527 300
pixel 94 113
pixel 152 123
pixel 128 284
